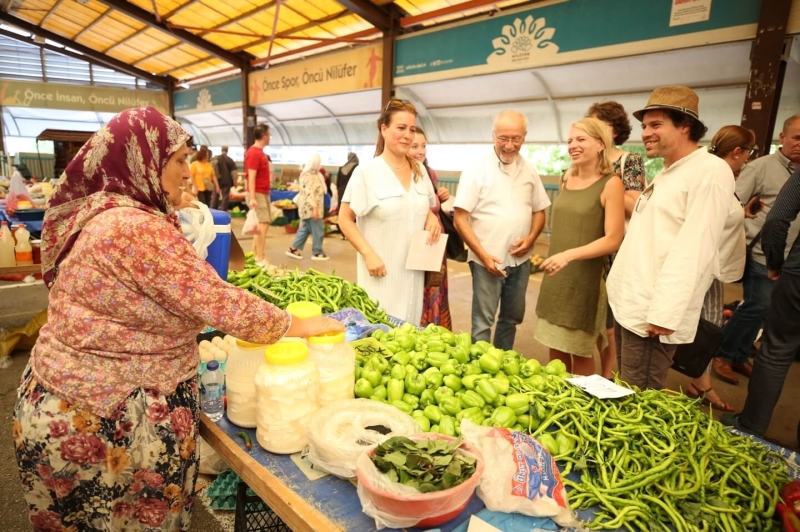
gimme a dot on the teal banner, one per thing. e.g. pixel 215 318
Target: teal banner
pixel 208 97
pixel 542 35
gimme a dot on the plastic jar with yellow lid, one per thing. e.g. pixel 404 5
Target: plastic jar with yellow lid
pixel 287 386
pixel 240 375
pixel 336 362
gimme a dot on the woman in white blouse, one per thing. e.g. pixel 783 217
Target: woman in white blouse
pixel 386 201
pixel 734 145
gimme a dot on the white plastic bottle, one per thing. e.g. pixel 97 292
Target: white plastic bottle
pixel 7 254
pixel 23 252
pixel 212 386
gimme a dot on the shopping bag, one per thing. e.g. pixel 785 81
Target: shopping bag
pixel 251 223
pixel 693 359
pixel 198 227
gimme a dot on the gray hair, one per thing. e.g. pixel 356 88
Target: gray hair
pixel 510 114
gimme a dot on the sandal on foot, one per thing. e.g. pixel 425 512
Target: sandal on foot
pixel 294 253
pixel 695 392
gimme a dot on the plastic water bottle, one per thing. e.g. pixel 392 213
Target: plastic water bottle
pixel 351 333
pixel 212 386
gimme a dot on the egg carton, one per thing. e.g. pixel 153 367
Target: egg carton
pixel 223 503
pixel 224 486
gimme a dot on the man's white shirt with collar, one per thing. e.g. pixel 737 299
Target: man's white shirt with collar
pixel 501 205
pixel 671 250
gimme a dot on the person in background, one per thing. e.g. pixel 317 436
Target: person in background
pixel 670 253
pixel 630 168
pixel 203 177
pixel 107 417
pixel 310 204
pixel 588 221
pixel 257 171
pixel 226 172
pixel 763 178
pixel 326 179
pixel 734 145
pixel 387 200
pixel 781 339
pixel 343 176
pixel 435 304
pixel 499 213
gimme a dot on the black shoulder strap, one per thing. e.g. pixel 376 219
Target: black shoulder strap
pixel 753 242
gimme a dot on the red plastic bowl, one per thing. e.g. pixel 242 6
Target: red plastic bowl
pixel 424 503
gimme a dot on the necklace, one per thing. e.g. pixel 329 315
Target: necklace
pixel 398 167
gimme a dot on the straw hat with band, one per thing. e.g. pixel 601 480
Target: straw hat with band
pixel 675 97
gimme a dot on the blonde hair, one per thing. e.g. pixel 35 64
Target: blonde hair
pixel 392 108
pixel 599 131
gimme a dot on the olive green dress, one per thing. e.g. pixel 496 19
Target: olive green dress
pixel 572 304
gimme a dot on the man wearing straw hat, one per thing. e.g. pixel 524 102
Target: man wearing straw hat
pixel 670 252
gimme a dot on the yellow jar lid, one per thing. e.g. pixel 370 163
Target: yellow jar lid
pixel 247 345
pixel 285 353
pixel 327 338
pixel 304 309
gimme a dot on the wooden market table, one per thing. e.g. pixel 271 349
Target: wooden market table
pixel 327 504
pixel 20 270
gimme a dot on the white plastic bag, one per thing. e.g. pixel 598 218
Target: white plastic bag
pixel 505 487
pixel 210 461
pixel 250 223
pixel 198 227
pixel 394 505
pixel 339 432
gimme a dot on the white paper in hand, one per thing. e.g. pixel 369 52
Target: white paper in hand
pixel 600 387
pixel 424 256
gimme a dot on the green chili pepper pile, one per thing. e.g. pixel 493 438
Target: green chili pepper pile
pixel 654 459
pixel 649 460
pixel 330 292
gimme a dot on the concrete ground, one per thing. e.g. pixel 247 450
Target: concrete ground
pixel 20 303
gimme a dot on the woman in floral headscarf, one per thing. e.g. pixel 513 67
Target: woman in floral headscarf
pixel 106 422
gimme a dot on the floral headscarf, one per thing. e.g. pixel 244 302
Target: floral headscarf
pixel 119 166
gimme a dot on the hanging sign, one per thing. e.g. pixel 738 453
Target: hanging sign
pixel 353 70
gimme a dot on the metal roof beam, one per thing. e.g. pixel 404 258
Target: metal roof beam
pixel 92 24
pixel 87 53
pixel 52 10
pixel 308 25
pixel 145 17
pixel 373 14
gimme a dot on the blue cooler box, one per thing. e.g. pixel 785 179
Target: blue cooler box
pixel 219 251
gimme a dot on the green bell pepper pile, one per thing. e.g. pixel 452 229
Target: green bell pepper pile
pixel 441 378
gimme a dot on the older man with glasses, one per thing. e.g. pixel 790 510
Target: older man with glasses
pixel 499 212
pixel 671 251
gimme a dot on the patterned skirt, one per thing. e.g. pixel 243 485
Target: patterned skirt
pixel 134 471
pixel 435 304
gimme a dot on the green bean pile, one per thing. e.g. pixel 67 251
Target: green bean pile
pixel 330 292
pixel 655 459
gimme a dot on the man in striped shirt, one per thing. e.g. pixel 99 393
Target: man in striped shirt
pixel 781 338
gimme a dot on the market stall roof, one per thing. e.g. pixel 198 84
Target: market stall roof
pixel 186 39
pixel 64 135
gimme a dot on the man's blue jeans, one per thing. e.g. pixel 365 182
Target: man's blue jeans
pixel 742 329
pixel 509 292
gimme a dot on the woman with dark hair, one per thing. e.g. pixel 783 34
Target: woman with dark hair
pixel 387 200
pixel 204 180
pixel 344 174
pixel 435 305
pixel 106 422
pixel 630 169
pixel 734 145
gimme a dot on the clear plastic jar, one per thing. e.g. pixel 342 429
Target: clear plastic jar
pixel 240 375
pixel 336 362
pixel 287 386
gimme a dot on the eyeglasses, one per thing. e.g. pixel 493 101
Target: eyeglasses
pixel 750 151
pixel 506 140
pixel 399 104
pixel 644 198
